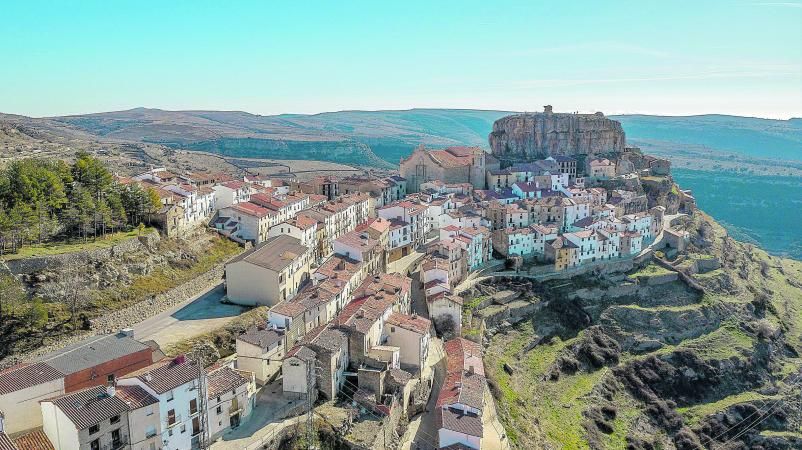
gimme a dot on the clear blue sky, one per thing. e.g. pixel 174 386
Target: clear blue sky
pixel 267 57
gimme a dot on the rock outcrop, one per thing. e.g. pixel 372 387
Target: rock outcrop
pixel 525 137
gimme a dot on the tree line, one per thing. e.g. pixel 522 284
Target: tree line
pixel 48 200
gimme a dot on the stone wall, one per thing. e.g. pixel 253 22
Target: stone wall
pixel 29 266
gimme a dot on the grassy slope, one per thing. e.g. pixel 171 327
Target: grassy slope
pixel 537 412
pixel 58 248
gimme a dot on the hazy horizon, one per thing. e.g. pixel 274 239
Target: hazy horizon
pixel 557 110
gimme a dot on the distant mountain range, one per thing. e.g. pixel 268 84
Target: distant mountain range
pixel 749 149
pixel 375 137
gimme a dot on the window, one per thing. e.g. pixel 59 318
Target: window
pixel 171 417
pixel 219 410
pixel 170 396
pixel 114 419
pixel 183 428
pixel 150 432
pixel 94 445
pixel 115 437
pixel 193 406
pixel 94 429
pixel 110 378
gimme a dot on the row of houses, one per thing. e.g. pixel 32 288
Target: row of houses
pixel 106 392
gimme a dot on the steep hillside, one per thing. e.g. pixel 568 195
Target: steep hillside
pixel 648 362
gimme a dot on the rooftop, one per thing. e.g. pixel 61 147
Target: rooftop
pixel 135 396
pixel 92 351
pixel 413 323
pixel 223 379
pixel 23 376
pixel 166 374
pixel 274 254
pixel 89 406
pixel 261 338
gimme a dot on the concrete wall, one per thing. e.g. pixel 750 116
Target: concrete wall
pixel 62 437
pixel 22 407
pixel 142 421
pixel 248 284
pixel 263 365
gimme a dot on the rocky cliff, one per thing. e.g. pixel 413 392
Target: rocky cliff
pixel 524 137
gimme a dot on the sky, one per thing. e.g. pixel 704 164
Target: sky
pixel 740 57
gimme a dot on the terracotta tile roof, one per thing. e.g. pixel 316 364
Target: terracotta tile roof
pixel 167 374
pixel 135 396
pixel 36 440
pixel 362 314
pixel 26 375
pixel 251 209
pixel 90 406
pixel 463 354
pixel 456 420
pixel 223 379
pixel 289 309
pixel 6 443
pixel 414 323
pixel 390 283
pixel 449 160
pixel 358 239
pixel 234 184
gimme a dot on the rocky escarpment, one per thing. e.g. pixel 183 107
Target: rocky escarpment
pixel 698 352
pixel 525 137
pixel 340 151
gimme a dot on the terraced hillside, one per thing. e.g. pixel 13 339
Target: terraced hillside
pixel 645 361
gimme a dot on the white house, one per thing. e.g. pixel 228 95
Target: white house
pixel 174 382
pixel 297 370
pixel 230 396
pixel 21 389
pixel 144 422
pixel 446 305
pixel 89 419
pixel 231 193
pixel 410 333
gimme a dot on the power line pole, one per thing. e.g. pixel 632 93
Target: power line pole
pixel 200 354
pixel 310 377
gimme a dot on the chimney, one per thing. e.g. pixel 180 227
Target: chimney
pixel 547 109
pixel 111 389
pixel 129 332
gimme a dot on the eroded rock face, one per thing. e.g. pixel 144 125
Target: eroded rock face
pixel 524 137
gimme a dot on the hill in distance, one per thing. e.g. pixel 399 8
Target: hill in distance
pixel 764 155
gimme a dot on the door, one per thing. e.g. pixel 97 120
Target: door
pixel 234 420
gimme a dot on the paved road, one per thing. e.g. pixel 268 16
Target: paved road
pixel 193 317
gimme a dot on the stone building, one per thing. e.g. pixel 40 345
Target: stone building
pixel 449 165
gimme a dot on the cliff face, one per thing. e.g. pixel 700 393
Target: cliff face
pixel 523 137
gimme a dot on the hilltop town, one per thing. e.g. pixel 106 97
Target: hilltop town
pixel 374 319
